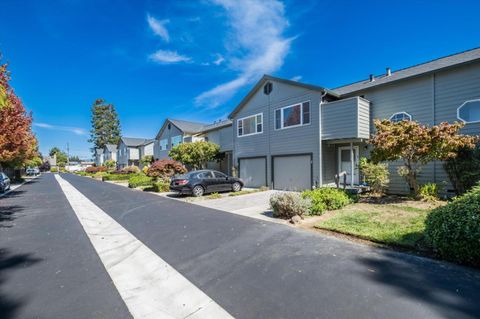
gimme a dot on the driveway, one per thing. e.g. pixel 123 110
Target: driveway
pixel 255 205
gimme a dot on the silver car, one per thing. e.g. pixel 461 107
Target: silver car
pixel 4 182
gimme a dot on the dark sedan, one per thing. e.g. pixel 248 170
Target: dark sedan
pixel 197 183
pixel 4 182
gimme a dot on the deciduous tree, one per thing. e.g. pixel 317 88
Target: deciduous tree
pixel 61 156
pixel 416 145
pixel 196 154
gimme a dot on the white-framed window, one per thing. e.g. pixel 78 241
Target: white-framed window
pixel 400 116
pixel 164 144
pixel 292 115
pixel 250 125
pixel 176 140
pixel 469 111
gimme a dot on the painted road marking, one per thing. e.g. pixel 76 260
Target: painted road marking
pixel 149 286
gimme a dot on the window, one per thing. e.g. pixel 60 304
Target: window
pixel 176 140
pixel 293 115
pixel 250 125
pixel 400 116
pixel 164 144
pixel 205 175
pixel 469 112
pixel 220 175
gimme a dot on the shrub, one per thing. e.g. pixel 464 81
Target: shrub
pixel 195 154
pixel 464 170
pixel 54 170
pixel 147 160
pixel 287 205
pixel 429 192
pixel 326 198
pixel 95 169
pixel 131 170
pixel 376 175
pixel 145 169
pixel 165 168
pixel 139 180
pixel 454 230
pixel 81 173
pixel 160 187
pixel 99 174
pixel 117 177
pixel 110 164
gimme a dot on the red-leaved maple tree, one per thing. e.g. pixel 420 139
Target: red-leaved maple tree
pixel 17 141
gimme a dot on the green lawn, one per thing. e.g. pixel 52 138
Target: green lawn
pixel 392 224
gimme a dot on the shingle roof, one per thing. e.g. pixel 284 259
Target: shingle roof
pixel 111 147
pixel 99 150
pixel 135 142
pixel 187 126
pixel 216 125
pixel 434 65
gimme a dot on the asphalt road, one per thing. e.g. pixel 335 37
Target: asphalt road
pixel 252 268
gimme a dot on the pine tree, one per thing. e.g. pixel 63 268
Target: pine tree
pixel 105 124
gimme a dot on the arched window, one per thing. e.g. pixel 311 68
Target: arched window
pixel 400 116
pixel 469 112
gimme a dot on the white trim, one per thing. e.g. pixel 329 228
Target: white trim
pixel 256 124
pixel 281 116
pixel 463 104
pixel 403 113
pixel 357 161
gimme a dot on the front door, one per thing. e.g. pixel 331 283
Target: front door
pixel 345 164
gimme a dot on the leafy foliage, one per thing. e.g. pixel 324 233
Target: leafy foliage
pixel 464 170
pixel 34 162
pixel 139 180
pixel 147 160
pixel 54 170
pixel 165 168
pixel 105 124
pixel 95 169
pixel 429 192
pixel 376 175
pixel 130 170
pixel 17 141
pixel 195 154
pixel 117 177
pixel 326 198
pixel 161 187
pixel 454 230
pixel 61 156
pixel 110 164
pixel 416 145
pixel 287 205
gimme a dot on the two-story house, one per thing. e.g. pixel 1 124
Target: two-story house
pixel 290 135
pixel 110 152
pixel 98 157
pixel 174 132
pixel 128 151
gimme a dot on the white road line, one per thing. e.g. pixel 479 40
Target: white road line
pixel 149 286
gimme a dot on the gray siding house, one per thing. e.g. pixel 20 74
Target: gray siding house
pixel 110 152
pixel 174 132
pixel 290 135
pixel 128 151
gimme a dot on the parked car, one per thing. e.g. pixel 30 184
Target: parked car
pixel 200 182
pixel 4 182
pixel 32 171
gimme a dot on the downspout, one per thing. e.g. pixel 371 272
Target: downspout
pixel 320 154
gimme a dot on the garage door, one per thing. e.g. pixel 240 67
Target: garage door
pixel 253 171
pixel 292 172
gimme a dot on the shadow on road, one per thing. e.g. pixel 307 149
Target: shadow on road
pixel 8 214
pixel 452 291
pixel 8 262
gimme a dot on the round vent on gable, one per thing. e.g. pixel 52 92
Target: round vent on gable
pixel 267 88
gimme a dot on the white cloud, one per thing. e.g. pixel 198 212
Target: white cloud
pixel 296 78
pixel 164 56
pixel 75 130
pixel 220 59
pixel 257 45
pixel 158 27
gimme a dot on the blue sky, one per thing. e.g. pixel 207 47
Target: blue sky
pixel 195 60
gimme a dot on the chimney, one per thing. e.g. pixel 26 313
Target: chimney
pixel 372 77
pixel 389 72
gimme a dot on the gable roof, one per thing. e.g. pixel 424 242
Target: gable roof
pixel 187 126
pixel 216 125
pixel 416 70
pixel 99 151
pixel 265 78
pixel 111 147
pixel 135 142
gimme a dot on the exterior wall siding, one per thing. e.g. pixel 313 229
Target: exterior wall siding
pixel 295 140
pixel 166 134
pixel 347 118
pixel 430 99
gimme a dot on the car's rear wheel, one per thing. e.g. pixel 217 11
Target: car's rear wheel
pixel 198 191
pixel 236 187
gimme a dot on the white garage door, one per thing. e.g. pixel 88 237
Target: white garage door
pixel 292 173
pixel 253 171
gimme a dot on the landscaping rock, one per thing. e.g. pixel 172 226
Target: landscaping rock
pixel 296 219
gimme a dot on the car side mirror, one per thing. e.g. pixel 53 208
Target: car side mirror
pixel 226 178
